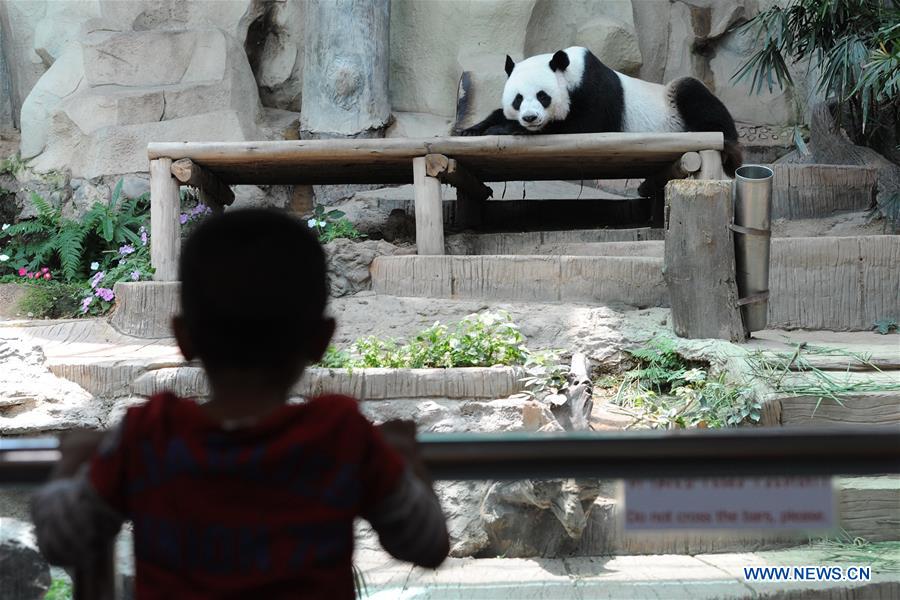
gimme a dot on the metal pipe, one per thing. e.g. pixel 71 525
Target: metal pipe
pixel 746 451
pixel 752 240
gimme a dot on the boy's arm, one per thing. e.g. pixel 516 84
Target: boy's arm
pixel 409 520
pixel 71 519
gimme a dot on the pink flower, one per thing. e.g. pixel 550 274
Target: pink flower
pixel 106 294
pixel 31 276
pixel 47 276
pixel 45 270
pixel 23 272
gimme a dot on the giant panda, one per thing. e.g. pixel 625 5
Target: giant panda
pixel 571 91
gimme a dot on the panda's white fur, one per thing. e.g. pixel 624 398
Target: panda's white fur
pixel 648 106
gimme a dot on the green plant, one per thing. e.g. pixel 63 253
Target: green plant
pixel 336 359
pixel 667 391
pixel 65 245
pixel 854 43
pixel 881 556
pixel 795 374
pixel 12 165
pixel 60 589
pixel 50 299
pixel 885 326
pixel 331 225
pixel 545 373
pixel 478 340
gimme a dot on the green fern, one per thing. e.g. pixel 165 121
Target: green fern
pixel 69 247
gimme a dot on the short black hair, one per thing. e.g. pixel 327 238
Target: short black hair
pixel 253 281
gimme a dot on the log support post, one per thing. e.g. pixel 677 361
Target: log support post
pixel 165 205
pixel 711 165
pixel 699 267
pixel 471 193
pixel 429 209
pixel 213 192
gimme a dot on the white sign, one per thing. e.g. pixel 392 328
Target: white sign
pixel 783 503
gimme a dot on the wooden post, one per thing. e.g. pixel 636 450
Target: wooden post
pixel 165 204
pixel 429 210
pixel 711 165
pixel 699 260
pixel 470 192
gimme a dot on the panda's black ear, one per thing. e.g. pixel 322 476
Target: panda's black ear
pixel 560 61
pixel 510 65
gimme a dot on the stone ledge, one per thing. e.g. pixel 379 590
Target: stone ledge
pixel 367 384
pixel 603 280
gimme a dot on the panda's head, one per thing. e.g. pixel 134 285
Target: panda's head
pixel 537 89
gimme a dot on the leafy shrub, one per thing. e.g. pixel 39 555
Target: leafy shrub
pixel 66 245
pixel 545 373
pixel 332 225
pixel 478 340
pixel 59 590
pixel 856 44
pixel 667 391
pixel 885 326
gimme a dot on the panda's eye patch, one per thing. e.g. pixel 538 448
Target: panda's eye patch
pixel 517 102
pixel 544 98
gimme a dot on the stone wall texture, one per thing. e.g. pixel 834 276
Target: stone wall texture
pixel 94 80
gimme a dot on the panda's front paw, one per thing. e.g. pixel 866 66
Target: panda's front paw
pixel 471 131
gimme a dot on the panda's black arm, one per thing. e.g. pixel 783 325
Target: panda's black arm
pixel 497 123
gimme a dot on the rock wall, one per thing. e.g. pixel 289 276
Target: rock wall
pixel 95 80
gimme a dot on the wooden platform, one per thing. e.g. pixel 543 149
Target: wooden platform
pixel 464 162
pixel 489 158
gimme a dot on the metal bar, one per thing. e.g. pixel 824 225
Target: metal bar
pixel 688 453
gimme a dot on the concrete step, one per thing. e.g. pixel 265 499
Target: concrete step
pixel 872 408
pixel 538 242
pixel 839 283
pixel 672 577
pixel 602 280
pixel 816 190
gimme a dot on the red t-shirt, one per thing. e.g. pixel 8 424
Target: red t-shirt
pixel 265 511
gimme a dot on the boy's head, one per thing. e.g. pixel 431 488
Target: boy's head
pixel 253 295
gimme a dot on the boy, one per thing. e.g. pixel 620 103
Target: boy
pixel 245 496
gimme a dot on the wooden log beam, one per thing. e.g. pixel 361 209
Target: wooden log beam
pixel 470 192
pixel 699 260
pixel 429 209
pixel 213 192
pixel 688 164
pixel 165 205
pixel 585 144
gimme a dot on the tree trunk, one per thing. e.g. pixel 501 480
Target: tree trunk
pixel 831 146
pixel 346 67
